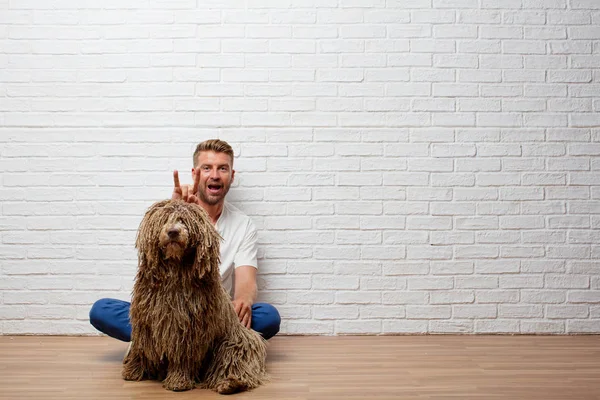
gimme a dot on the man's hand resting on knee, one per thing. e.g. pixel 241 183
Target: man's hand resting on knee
pixel 243 309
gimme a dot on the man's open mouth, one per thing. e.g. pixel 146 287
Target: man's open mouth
pixel 214 189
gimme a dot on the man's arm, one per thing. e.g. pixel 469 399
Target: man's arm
pixel 245 292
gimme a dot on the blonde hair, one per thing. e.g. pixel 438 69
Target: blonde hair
pixel 216 145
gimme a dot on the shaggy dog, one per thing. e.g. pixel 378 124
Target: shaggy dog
pixel 184 327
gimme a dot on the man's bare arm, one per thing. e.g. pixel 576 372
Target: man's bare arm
pixel 245 293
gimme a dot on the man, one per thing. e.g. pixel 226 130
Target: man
pixel 212 174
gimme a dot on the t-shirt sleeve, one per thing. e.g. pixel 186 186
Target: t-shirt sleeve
pixel 247 252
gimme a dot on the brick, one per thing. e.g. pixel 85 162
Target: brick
pixel 474 311
pixel 311 297
pixel 497 326
pixel 522 17
pixel 544 237
pixel 476 283
pixel 476 223
pixel 476 251
pixel 539 327
pixel 335 253
pixel 357 268
pixel 520 311
pixel 428 312
pixel 497 267
pixel 381 312
pixel 405 297
pixel 483 194
pixel 404 327
pixel 383 252
pixel 497 296
pixel 429 283
pixel 452 297
pixel 358 297
pixel 335 312
pixel 496 179
pixel 311 327
pixel 479 17
pixel 373 284
pixel 451 268
pixel 429 223
pixel 498 237
pixel 460 327
pixel 576 326
pixel 445 238
pixel 428 252
pixel 567 311
pixel 324 282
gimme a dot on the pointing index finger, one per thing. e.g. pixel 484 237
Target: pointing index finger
pixel 176 179
pixel 196 182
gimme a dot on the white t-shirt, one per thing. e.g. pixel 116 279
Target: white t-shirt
pixel 238 246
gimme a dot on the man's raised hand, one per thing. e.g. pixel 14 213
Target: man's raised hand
pixel 186 193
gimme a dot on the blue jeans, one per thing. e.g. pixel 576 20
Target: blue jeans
pixel 111 316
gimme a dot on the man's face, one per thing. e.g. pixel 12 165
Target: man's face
pixel 216 176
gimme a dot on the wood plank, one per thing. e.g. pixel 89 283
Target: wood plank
pixel 347 367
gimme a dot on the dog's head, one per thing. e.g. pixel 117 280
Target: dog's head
pixel 179 232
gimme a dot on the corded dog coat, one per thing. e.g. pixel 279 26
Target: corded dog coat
pixel 184 327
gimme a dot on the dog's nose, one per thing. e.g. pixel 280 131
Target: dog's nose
pixel 173 233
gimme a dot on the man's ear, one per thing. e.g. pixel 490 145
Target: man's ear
pixel 232 175
pixel 193 174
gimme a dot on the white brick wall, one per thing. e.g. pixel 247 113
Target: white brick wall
pixel 413 166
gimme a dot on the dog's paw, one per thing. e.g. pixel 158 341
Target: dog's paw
pixel 131 373
pixel 133 369
pixel 230 386
pixel 178 383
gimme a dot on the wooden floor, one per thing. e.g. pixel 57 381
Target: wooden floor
pixel 398 367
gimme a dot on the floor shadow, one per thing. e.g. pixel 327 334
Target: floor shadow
pixel 276 356
pixel 116 356
pixel 113 356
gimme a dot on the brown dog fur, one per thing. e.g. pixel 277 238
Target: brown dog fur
pixel 184 327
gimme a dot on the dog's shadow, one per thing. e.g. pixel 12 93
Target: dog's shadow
pixel 275 356
pixel 114 356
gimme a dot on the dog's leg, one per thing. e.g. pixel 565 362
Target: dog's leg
pixel 238 363
pixel 179 378
pixel 133 365
pixel 184 365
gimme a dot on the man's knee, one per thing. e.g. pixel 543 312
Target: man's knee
pixel 111 316
pixel 98 314
pixel 274 317
pixel 270 320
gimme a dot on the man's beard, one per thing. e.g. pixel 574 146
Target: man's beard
pixel 212 200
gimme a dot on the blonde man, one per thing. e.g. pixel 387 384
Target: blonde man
pixel 212 174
